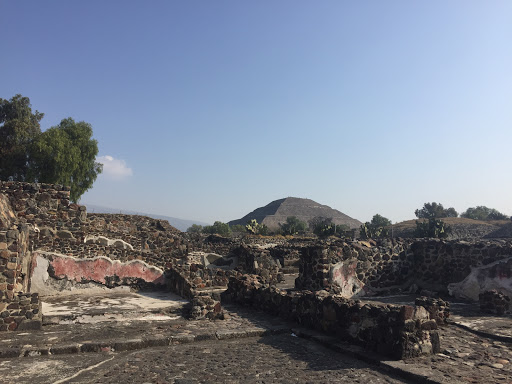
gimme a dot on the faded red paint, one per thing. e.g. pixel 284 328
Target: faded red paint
pixel 97 269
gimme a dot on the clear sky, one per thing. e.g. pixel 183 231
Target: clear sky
pixel 206 110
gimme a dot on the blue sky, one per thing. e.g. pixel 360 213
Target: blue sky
pixel 206 110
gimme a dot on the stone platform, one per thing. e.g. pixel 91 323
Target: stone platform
pixel 119 305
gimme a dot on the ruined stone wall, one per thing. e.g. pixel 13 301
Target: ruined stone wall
pixel 55 274
pixel 439 263
pixel 356 267
pixel 361 268
pixel 254 260
pixel 392 330
pixel 18 309
pixel 188 280
pixel 43 205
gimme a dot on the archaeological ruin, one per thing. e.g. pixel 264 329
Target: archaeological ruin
pixel 50 247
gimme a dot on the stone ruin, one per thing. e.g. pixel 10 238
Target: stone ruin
pixel 494 302
pixel 49 246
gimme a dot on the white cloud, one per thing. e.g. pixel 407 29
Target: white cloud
pixel 114 168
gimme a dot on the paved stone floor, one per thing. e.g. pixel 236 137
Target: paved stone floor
pixel 270 359
pixel 249 346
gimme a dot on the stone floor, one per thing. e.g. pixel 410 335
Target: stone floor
pixel 119 305
pixel 270 359
pixel 142 338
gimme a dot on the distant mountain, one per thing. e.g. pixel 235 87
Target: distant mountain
pixel 277 211
pixel 180 224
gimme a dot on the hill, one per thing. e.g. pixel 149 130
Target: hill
pixel 277 211
pixel 462 228
pixel 180 224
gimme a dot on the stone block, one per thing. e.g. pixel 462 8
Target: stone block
pixel 5 254
pixel 406 313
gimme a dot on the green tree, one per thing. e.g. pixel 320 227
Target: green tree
pixel 66 154
pixel 432 228
pixel 292 226
pixel 481 212
pixel 218 228
pixel 434 211
pixel 322 226
pixel 238 228
pixel 195 228
pixel 377 228
pixel 19 126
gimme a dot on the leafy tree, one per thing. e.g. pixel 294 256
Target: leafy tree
pixel 195 228
pixel 19 126
pixel 483 213
pixel 378 227
pixel 218 228
pixel 432 228
pixel 450 212
pixel 292 226
pixel 255 228
pixel 66 154
pixel 322 226
pixel 239 228
pixel 434 211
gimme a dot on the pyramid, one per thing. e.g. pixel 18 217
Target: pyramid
pixel 277 211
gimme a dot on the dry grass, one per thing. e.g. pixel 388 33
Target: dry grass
pixel 452 221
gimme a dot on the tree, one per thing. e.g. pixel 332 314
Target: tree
pixel 292 226
pixel 238 228
pixel 218 228
pixel 378 227
pixel 66 154
pixel 18 128
pixel 483 213
pixel 432 228
pixel 434 210
pixel 322 226
pixel 195 228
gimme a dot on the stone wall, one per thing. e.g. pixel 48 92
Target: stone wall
pixel 190 280
pixel 56 274
pixel 355 268
pixel 367 267
pixel 255 260
pixel 18 310
pixel 43 205
pixel 439 263
pixel 396 331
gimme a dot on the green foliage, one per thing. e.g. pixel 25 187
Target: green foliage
pixel 483 213
pixel 66 154
pixel 195 228
pixel 433 228
pixel 218 228
pixel 18 128
pixel 238 228
pixel 322 226
pixel 255 228
pixel 377 228
pixel 292 226
pixel 434 211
